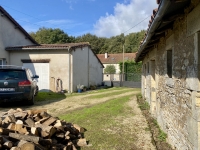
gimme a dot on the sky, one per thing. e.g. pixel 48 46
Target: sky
pixel 103 18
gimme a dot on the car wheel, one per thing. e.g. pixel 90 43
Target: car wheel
pixel 31 101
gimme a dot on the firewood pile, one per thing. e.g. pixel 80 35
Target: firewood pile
pixel 36 129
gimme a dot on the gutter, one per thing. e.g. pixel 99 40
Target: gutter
pixel 164 5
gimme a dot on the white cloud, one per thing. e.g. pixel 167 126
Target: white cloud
pixel 125 17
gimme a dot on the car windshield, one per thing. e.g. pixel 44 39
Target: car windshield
pixel 12 74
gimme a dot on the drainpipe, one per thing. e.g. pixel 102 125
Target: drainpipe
pixel 88 67
pixel 69 70
pixel 155 24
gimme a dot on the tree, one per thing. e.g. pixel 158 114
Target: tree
pixel 51 36
pixel 96 42
pixel 110 69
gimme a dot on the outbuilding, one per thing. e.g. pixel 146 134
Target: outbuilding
pixel 59 66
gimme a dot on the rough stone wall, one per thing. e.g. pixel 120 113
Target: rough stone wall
pixel 175 97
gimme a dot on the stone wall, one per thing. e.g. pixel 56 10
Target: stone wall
pixel 176 105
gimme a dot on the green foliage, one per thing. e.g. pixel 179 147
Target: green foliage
pixel 110 69
pixel 131 67
pixel 132 41
pixel 96 42
pixel 144 106
pixel 162 135
pixel 99 45
pixel 132 70
pixel 51 36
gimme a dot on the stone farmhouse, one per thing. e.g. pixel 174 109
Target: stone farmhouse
pixel 170 53
pixel 59 66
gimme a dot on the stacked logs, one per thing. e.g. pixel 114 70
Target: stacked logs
pixel 36 129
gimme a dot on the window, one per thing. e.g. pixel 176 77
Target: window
pixel 169 63
pixel 1 62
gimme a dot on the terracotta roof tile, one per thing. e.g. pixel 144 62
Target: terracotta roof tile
pixel 116 58
pixel 49 46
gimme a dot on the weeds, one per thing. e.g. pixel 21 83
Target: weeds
pixel 159 136
pixel 162 135
pixel 144 106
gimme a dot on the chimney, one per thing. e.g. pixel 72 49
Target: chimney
pixel 106 55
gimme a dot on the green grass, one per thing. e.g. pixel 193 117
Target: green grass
pixel 110 94
pixel 43 96
pixel 95 91
pixel 103 131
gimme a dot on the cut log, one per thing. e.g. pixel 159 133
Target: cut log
pixel 34 131
pixel 36 111
pixel 4 131
pixel 20 115
pixel 71 129
pixel 80 129
pixel 15 148
pixel 58 123
pixel 7 143
pixel 49 121
pixel 44 114
pixel 30 122
pixel 24 145
pixel 8 119
pixel 44 134
pixel 29 138
pixel 23 130
pixel 19 122
pixel 19 109
pixel 81 142
pixel 11 111
pixel 40 121
pixel 49 129
pixel 11 126
pixel 60 135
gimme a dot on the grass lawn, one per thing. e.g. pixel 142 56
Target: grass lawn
pixel 104 130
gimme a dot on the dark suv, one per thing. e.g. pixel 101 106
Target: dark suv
pixel 17 84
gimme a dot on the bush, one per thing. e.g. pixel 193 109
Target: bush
pixel 110 69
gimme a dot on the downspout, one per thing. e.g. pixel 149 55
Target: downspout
pixel 155 24
pixel 88 67
pixel 69 70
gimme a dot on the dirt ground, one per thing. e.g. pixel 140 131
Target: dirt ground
pixel 136 124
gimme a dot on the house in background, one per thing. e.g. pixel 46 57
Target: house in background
pixel 170 54
pixel 114 59
pixel 59 66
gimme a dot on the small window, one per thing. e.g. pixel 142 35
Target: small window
pixel 1 62
pixel 169 63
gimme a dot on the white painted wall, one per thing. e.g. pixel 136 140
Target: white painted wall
pixel 87 70
pixel 10 36
pixel 95 70
pixel 80 70
pixel 58 65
